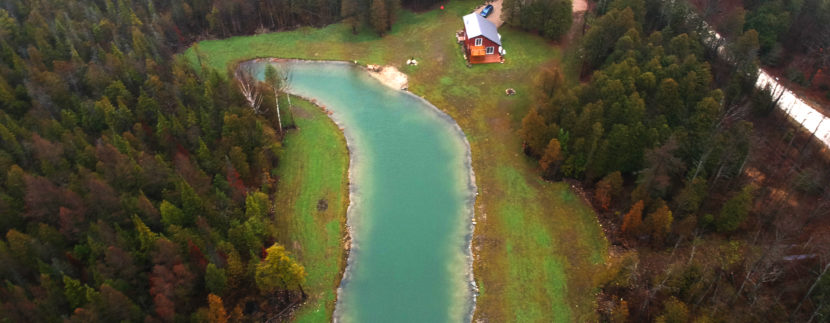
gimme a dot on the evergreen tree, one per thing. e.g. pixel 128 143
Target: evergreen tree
pixel 108 144
pixel 560 18
pixel 349 10
pixel 734 211
pixel 379 16
pixel 215 279
pixel 76 292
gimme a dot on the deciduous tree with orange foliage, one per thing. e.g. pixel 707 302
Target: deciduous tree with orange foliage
pixel 534 133
pixel 551 159
pixel 633 219
pixel 608 188
pixel 216 310
pixel 659 224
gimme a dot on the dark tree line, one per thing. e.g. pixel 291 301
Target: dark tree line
pixel 653 94
pixel 665 141
pixel 550 18
pixel 795 25
pixel 420 4
pixel 792 34
pixel 133 188
pixel 178 23
pixel 235 17
pixel 377 14
pixel 663 135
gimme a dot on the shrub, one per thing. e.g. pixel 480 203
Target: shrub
pixel 809 181
pixel 796 76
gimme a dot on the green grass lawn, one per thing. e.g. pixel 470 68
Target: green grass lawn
pixel 538 245
pixel 313 169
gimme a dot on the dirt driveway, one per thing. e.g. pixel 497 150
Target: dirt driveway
pixel 580 5
pixel 495 17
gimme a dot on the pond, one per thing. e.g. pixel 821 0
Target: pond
pixel 412 195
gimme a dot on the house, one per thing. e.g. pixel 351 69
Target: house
pixel 480 40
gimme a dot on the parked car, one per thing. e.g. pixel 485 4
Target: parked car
pixel 487 11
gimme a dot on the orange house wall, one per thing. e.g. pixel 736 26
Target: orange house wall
pixel 491 58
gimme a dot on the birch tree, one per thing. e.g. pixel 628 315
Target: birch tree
pixel 248 85
pixel 278 82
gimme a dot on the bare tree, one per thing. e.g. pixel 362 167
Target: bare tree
pixel 762 265
pixel 812 287
pixel 249 86
pixel 277 79
pixel 818 244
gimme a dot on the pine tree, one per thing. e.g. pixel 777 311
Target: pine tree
pixel 379 16
pixel 734 211
pixel 172 215
pixel 392 8
pixel 75 292
pixel 146 237
pixel 510 11
pixel 559 19
pixel 192 205
pixel 215 279
pixel 349 11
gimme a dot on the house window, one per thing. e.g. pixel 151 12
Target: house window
pixel 478 41
pixel 490 50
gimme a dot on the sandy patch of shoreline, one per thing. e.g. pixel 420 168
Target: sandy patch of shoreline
pixel 389 76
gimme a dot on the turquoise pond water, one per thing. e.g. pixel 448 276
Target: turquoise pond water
pixel 411 202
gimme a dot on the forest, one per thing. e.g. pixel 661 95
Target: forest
pixel 551 19
pixel 133 187
pixel 708 215
pixel 794 37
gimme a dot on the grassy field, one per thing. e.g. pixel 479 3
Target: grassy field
pixel 314 169
pixel 537 245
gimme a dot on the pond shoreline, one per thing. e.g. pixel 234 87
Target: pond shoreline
pixel 354 190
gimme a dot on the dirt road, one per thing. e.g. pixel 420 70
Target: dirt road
pixel 495 16
pixel 580 5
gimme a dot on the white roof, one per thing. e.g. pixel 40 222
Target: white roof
pixel 476 25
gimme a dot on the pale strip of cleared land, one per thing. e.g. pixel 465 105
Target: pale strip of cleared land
pixel 811 119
